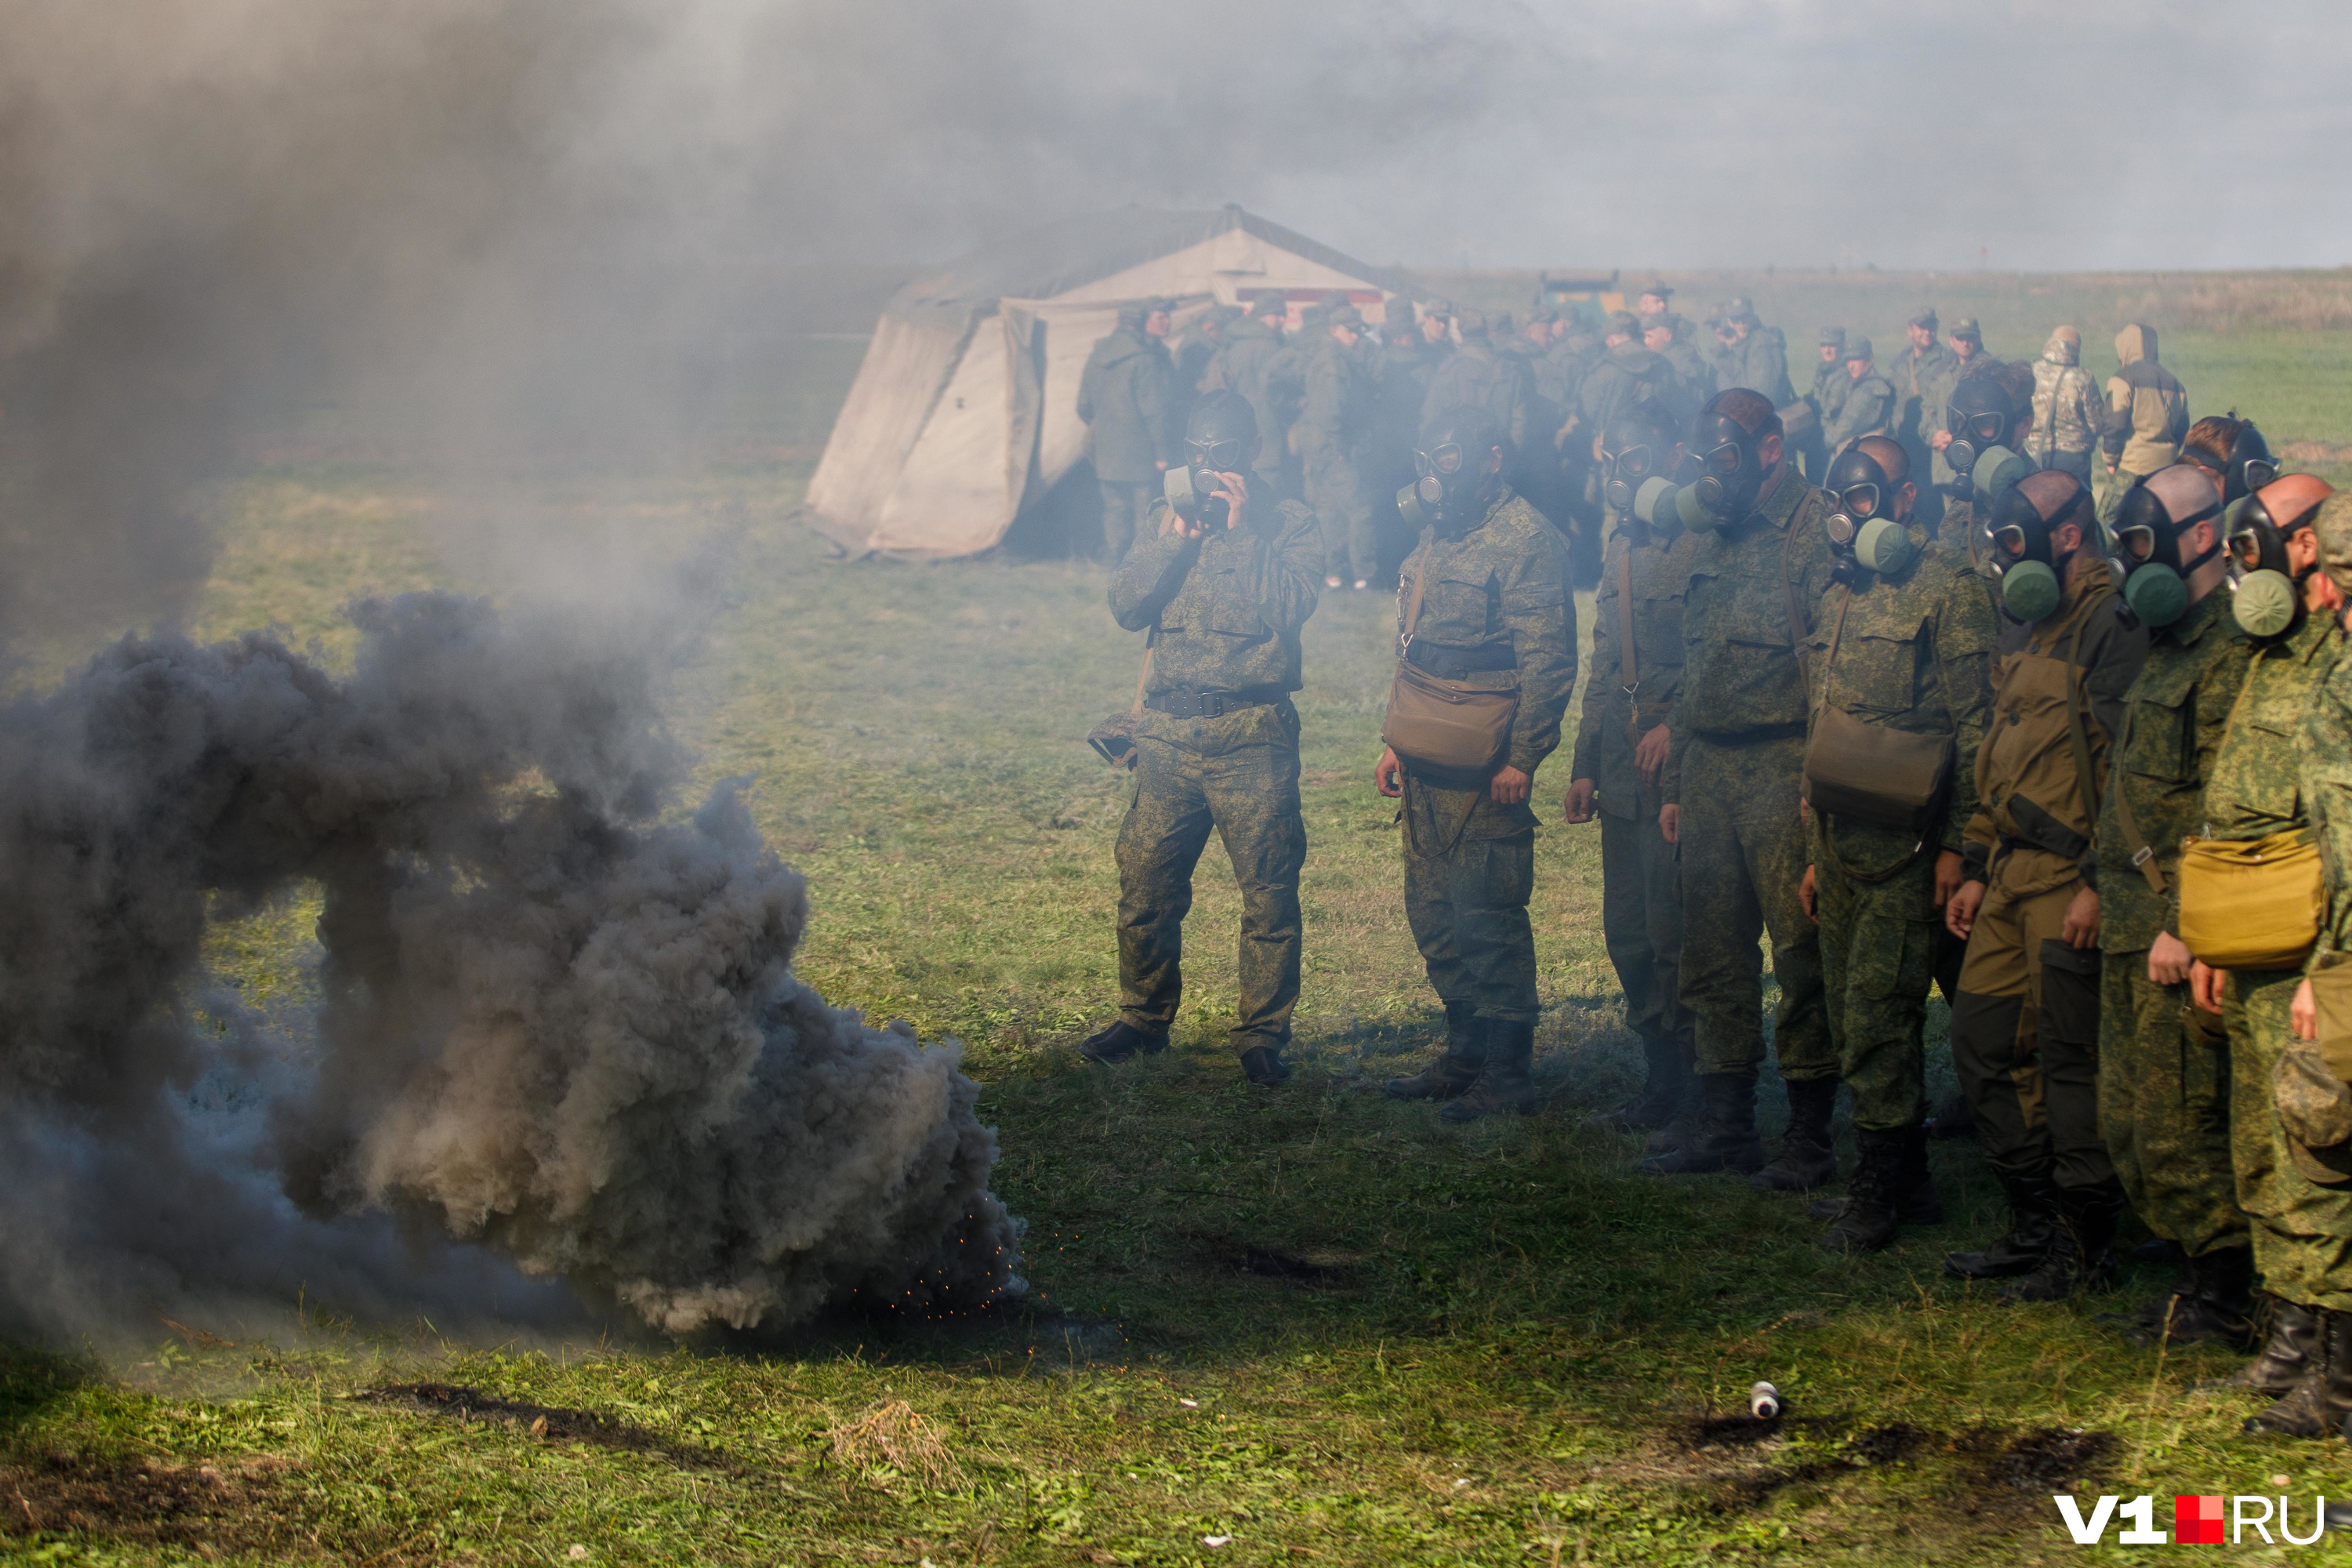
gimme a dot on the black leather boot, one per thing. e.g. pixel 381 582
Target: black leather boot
pixel 1456 1069
pixel 2317 1405
pixel 1916 1202
pixel 1869 1219
pixel 1957 1119
pixel 1506 1083
pixel 1689 1111
pixel 1662 1088
pixel 1726 1137
pixel 2081 1253
pixel 1121 1041
pixel 2289 1351
pixel 2031 1200
pixel 1806 1159
pixel 2214 1300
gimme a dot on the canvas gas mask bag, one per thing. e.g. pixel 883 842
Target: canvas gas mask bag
pixel 1440 722
pixel 1871 773
pixel 2251 904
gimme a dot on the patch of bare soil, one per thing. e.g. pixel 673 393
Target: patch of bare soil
pixel 455 1402
pixel 231 1506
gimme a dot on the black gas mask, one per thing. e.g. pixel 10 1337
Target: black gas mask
pixel 1633 448
pixel 2022 557
pixel 1982 423
pixel 1459 476
pixel 2149 538
pixel 1220 437
pixel 2251 465
pixel 1730 472
pixel 1867 529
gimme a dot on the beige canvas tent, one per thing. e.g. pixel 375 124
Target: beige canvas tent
pixel 964 411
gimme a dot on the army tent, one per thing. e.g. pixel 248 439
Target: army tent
pixel 965 412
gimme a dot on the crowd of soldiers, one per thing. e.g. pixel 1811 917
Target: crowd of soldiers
pixel 1878 678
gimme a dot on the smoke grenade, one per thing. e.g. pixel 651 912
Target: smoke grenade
pixel 550 1020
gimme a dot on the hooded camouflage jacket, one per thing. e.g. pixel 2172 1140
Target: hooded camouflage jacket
pixel 2067 415
pixel 1223 610
pixel 2324 772
pixel 2147 408
pixel 1913 652
pixel 1615 718
pixel 1127 396
pixel 1503 582
pixel 2172 725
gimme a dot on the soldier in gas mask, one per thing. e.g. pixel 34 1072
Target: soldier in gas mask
pixel 1621 753
pixel 1755 567
pixel 1485 602
pixel 2025 1023
pixel 2232 451
pixel 1902 641
pixel 1223 579
pixel 1980 447
pixel 2164 1066
pixel 2300 1227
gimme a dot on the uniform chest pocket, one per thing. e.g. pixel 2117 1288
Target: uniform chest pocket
pixel 1658 624
pixel 1456 608
pixel 1877 673
pixel 2162 742
pixel 1214 603
pixel 2272 785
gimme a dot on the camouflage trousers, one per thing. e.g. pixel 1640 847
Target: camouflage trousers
pixel 1642 921
pixel 2025 1028
pixel 1879 927
pixel 1124 509
pixel 1743 856
pixel 2164 1106
pixel 1237 774
pixel 1469 869
pixel 2302 1230
pixel 1352 550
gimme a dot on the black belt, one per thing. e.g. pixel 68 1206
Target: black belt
pixel 1453 663
pixel 1185 702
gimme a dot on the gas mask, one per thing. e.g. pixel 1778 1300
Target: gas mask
pixel 2154 515
pixel 1220 437
pixel 1458 477
pixel 2022 558
pixel 1983 423
pixel 1868 531
pixel 1730 473
pixel 2267 598
pixel 1635 453
pixel 2251 466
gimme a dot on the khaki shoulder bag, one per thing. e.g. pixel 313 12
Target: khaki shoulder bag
pixel 1440 722
pixel 1872 772
pixel 2251 904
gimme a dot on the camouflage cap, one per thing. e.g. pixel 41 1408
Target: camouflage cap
pixel 1925 318
pixel 1966 327
pixel 1543 315
pixel 1857 347
pixel 1833 337
pixel 1470 323
pixel 2314 1111
pixel 1622 322
pixel 1739 308
pixel 2333 528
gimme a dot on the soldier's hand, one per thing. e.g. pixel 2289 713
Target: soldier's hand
pixel 1961 911
pixel 1948 866
pixel 2168 961
pixel 1806 895
pixel 1510 786
pixel 1943 439
pixel 2081 926
pixel 1387 775
pixel 1236 490
pixel 1670 823
pixel 1650 754
pixel 1578 807
pixel 2205 983
pixel 2303 1013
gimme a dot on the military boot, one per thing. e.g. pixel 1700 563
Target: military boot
pixel 2316 1406
pixel 1870 1218
pixel 1663 1090
pixel 1806 1159
pixel 1957 1120
pixel 1689 1111
pixel 1505 1082
pixel 2213 1300
pixel 1725 1139
pixel 2082 1252
pixel 2031 1200
pixel 1456 1069
pixel 1121 1041
pixel 1916 1202
pixel 2289 1352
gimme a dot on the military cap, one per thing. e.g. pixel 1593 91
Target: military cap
pixel 1659 286
pixel 1623 322
pixel 1833 337
pixel 1441 308
pixel 1966 327
pixel 2333 528
pixel 1926 318
pixel 1739 308
pixel 1271 305
pixel 1470 323
pixel 1344 316
pixel 1857 347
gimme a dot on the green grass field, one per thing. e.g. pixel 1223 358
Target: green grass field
pixel 1311 1325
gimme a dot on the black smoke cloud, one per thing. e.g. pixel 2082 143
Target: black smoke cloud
pixel 552 1024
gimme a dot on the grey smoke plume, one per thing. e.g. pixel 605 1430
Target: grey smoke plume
pixel 553 1024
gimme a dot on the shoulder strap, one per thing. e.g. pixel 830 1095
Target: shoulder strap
pixel 2142 855
pixel 1420 576
pixel 1837 633
pixel 1143 676
pixel 1629 669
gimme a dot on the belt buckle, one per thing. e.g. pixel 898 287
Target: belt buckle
pixel 2143 855
pixel 1211 705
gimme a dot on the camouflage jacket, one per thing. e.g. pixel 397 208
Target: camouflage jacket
pixel 1925 383
pixel 1831 387
pixel 1742 672
pixel 1482 378
pixel 1503 582
pixel 1913 652
pixel 1759 362
pixel 1223 610
pixel 1871 407
pixel 1242 365
pixel 2067 414
pixel 1614 718
pixel 2172 723
pixel 1127 396
pixel 1627 376
pixel 1337 417
pixel 2254 790
pixel 2029 789
pixel 2323 747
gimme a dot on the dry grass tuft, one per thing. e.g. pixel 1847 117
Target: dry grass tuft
pixel 895 1435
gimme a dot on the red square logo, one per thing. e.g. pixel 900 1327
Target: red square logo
pixel 2197 1521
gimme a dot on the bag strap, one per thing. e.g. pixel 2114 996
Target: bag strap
pixel 1420 577
pixel 1142 678
pixel 1628 667
pixel 1837 633
pixel 2142 855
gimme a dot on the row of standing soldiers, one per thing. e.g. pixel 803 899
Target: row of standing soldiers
pixel 1972 757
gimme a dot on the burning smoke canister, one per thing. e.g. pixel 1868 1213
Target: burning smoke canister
pixel 1764 1401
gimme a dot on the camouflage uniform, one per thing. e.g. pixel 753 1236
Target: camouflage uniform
pixel 1828 395
pixel 1127 396
pixel 2147 415
pixel 2302 1230
pixel 2025 1027
pixel 1334 433
pixel 1924 380
pixel 2164 1069
pixel 1738 725
pixel 1224 613
pixel 1911 653
pixel 1499 590
pixel 1694 377
pixel 2067 417
pixel 2311 1256
pixel 1640 893
pixel 1479 377
pixel 1241 363
pixel 1870 407
pixel 1759 362
pixel 1627 376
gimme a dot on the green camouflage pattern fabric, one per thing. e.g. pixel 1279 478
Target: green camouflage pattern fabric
pixel 1627 376
pixel 1642 924
pixel 1831 388
pixel 1503 582
pixel 1335 426
pixel 1469 869
pixel 1871 407
pixel 2164 1106
pixel 2173 718
pixel 1613 720
pixel 1223 610
pixel 1236 774
pixel 1127 396
pixel 1242 365
pixel 1759 362
pixel 2302 1230
pixel 1878 952
pixel 2323 749
pixel 1479 376
pixel 2255 786
pixel 1924 379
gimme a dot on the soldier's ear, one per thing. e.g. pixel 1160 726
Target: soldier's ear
pixel 1494 460
pixel 1768 450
